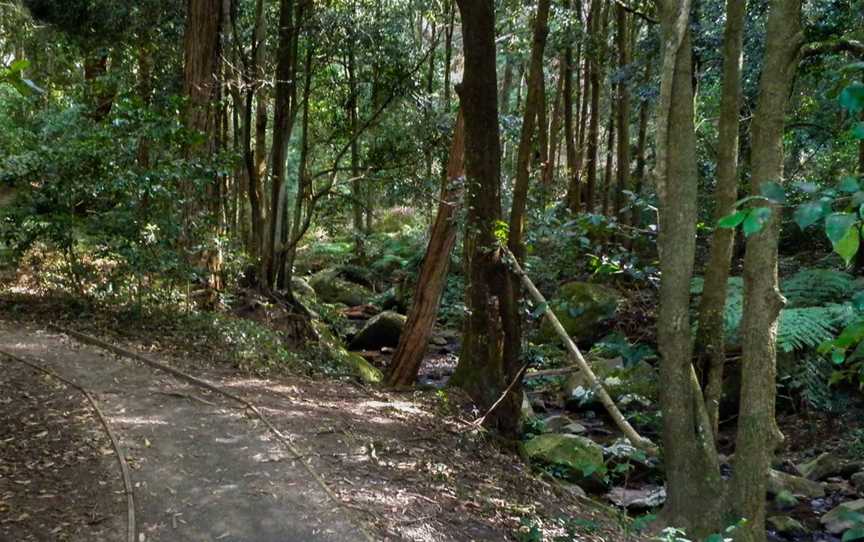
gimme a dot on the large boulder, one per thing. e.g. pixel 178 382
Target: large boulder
pixel 836 521
pixel 581 454
pixel 780 482
pixel 821 467
pixel 332 288
pixel 380 331
pixel 581 307
pixel 302 288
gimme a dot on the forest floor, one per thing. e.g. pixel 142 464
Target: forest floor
pixel 401 466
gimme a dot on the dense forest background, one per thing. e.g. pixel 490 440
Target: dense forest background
pixel 646 210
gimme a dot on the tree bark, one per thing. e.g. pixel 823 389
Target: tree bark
pixel 569 135
pixel 644 107
pixel 622 111
pixel 694 491
pixel 483 371
pixel 758 434
pixel 594 123
pixel 284 115
pixel 433 272
pixel 610 153
pixel 711 332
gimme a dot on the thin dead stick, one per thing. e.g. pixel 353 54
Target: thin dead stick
pixel 551 372
pixel 212 387
pixel 479 421
pixel 131 534
pixel 635 438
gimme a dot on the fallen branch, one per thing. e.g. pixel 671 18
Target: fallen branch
pixel 131 535
pixel 576 355
pixel 551 372
pixel 212 387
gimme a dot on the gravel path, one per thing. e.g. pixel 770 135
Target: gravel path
pixel 202 470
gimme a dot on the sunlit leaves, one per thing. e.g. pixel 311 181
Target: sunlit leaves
pixel 849 185
pixel 847 246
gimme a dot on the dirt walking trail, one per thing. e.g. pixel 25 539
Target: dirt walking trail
pixel 201 469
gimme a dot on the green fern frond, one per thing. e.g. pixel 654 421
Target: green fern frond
pixel 808 327
pixel 811 287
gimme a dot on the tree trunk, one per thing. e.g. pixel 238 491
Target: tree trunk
pixel 483 370
pixel 622 111
pixel 554 134
pixel 256 183
pixel 758 434
pixel 644 108
pixel 694 491
pixel 594 123
pixel 284 114
pixel 569 136
pixel 713 303
pixel 202 39
pixel 610 153
pixel 433 272
pixel 533 105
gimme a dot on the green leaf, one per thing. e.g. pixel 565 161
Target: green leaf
pixel 808 213
pixel 849 185
pixel 715 538
pixel 773 191
pixel 852 98
pixel 858 130
pixel 847 247
pixel 19 65
pixel 838 356
pixel 851 335
pixel 856 533
pixel 732 221
pixel 756 219
pixel 837 224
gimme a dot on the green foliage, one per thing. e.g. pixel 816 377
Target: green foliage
pixel 810 287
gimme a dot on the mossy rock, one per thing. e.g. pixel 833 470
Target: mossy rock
pixel 332 288
pixel 364 370
pixel 581 307
pixel 381 330
pixel 575 452
pixel 302 288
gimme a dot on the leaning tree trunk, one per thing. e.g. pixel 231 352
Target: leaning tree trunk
pixel 758 434
pixel 483 371
pixel 433 272
pixel 694 492
pixel 711 308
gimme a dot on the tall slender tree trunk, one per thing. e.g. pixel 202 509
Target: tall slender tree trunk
pixel 713 303
pixel 758 434
pixel 594 123
pixel 483 371
pixel 622 110
pixel 694 487
pixel 284 115
pixel 569 135
pixel 433 272
pixel 554 133
pixel 641 144
pixel 610 153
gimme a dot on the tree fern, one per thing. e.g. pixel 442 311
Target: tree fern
pixel 811 287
